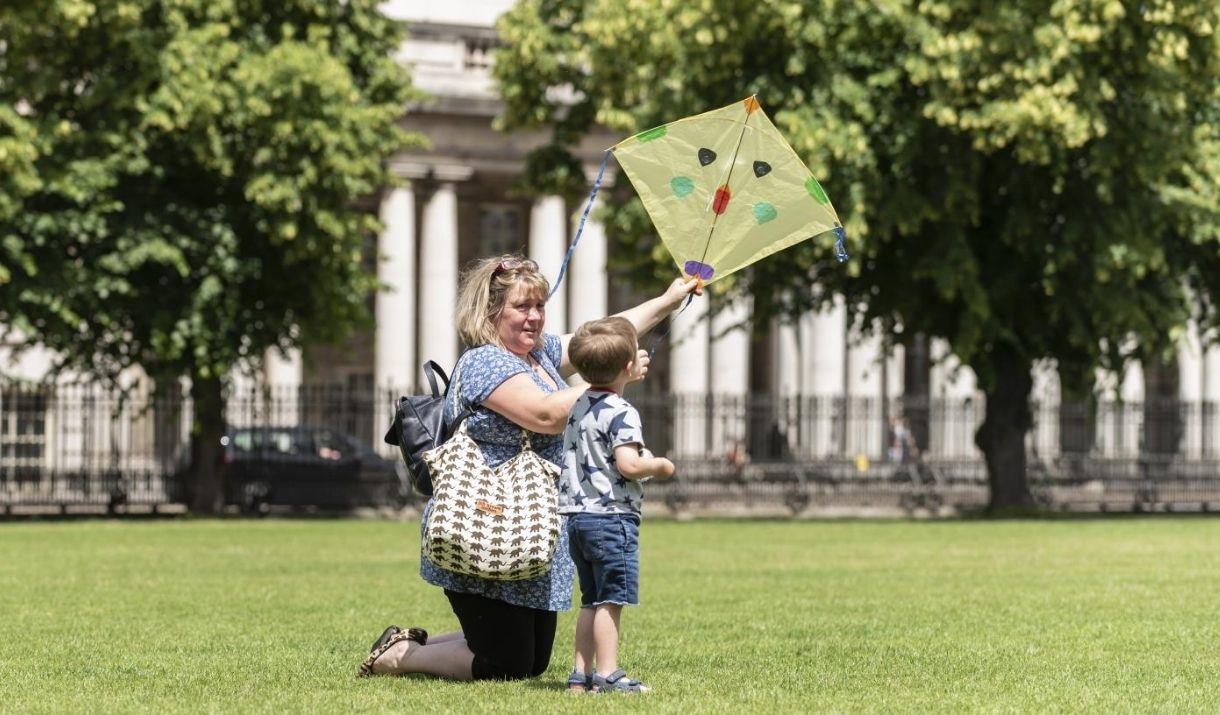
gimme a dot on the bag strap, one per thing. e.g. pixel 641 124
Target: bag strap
pixel 456 384
pixel 460 409
pixel 431 370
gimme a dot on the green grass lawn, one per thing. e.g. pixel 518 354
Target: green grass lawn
pixel 223 616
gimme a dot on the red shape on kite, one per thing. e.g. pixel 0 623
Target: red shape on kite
pixel 721 202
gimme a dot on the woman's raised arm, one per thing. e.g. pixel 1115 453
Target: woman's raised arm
pixel 644 316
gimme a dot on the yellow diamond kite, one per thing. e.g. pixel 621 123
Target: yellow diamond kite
pixel 724 189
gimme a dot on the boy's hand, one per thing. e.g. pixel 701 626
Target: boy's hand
pixel 665 470
pixel 639 368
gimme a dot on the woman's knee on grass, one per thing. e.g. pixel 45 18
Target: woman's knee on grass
pixel 540 666
pixel 505 668
pixel 520 663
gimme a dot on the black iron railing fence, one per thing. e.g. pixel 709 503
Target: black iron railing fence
pixel 81 444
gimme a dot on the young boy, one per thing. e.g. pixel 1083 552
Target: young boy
pixel 604 463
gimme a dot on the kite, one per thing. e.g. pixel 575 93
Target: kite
pixel 723 189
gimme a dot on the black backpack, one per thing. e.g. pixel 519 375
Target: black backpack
pixel 419 425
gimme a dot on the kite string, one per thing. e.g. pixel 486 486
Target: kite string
pixel 597 183
pixel 656 340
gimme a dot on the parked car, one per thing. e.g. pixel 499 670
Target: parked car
pixel 308 466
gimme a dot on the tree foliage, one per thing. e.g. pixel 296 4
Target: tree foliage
pixel 1027 179
pixel 179 179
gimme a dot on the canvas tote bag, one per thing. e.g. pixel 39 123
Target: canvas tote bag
pixel 500 524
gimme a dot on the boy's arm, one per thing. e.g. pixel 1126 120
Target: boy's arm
pixel 634 466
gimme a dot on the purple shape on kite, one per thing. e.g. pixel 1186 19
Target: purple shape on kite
pixel 695 269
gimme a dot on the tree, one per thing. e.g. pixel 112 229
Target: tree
pixel 1031 179
pixel 181 184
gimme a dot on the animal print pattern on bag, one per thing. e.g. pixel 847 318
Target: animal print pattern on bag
pixel 499 524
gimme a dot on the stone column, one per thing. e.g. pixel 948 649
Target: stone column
pixel 1210 393
pixel 586 283
pixel 1045 402
pixel 730 349
pixel 865 391
pixel 729 379
pixel 548 246
pixel 283 375
pixel 1133 396
pixel 689 378
pixel 587 280
pixel 828 354
pixel 814 426
pixel 789 365
pixel 438 270
pixel 824 360
pixel 790 360
pixel 893 385
pixel 1105 384
pixel 394 364
pixel 245 405
pixel 954 414
pixel 1190 391
pixel 1119 413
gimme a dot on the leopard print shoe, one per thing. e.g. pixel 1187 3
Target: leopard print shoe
pixel 415 635
pixel 419 635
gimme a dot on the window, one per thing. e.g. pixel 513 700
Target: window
pixel 500 229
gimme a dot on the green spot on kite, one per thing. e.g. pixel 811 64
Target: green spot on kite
pixel 815 190
pixel 764 212
pixel 654 133
pixel 682 186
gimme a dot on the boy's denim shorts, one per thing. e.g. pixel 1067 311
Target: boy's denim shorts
pixel 606 550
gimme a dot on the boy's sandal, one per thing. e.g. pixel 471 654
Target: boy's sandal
pixel 366 668
pixel 579 682
pixel 617 682
pixel 419 635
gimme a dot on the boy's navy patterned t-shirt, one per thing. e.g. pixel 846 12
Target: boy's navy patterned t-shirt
pixel 600 421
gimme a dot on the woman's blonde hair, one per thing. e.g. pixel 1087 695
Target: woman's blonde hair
pixel 485 286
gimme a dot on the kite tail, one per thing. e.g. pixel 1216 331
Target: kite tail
pixel 597 184
pixel 840 249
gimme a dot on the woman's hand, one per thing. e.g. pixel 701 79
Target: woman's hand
pixel 639 368
pixel 679 289
pixel 646 315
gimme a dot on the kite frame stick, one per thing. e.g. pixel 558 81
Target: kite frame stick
pixel 727 180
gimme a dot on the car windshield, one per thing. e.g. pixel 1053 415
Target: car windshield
pixel 278 441
pixel 302 441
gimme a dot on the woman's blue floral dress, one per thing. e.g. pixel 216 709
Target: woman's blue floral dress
pixel 477 374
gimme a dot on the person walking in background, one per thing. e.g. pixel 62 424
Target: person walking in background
pixel 604 465
pixel 737 458
pixel 511 378
pixel 902 442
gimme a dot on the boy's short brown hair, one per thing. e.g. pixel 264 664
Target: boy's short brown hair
pixel 601 348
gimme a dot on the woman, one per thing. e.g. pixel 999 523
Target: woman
pixel 512 377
